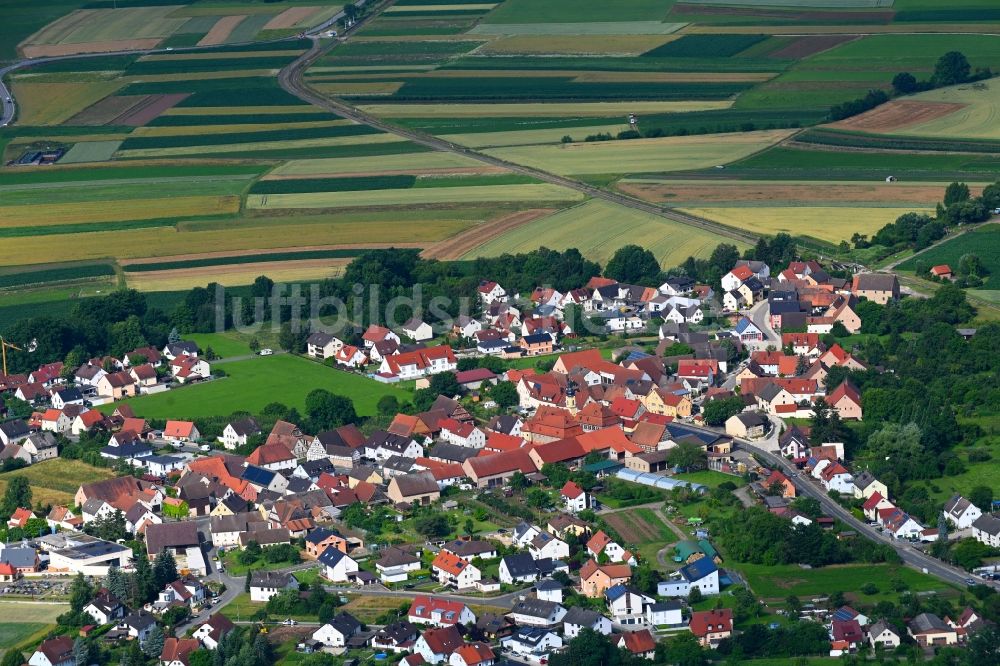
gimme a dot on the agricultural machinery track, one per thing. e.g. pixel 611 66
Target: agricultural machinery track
pixel 291 79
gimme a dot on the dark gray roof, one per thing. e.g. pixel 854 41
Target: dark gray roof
pixel 395 557
pixel 583 617
pixel 531 607
pixel 928 622
pixel 452 452
pixel 171 535
pixel 14 429
pixel 520 564
pixel 245 426
pixel 876 282
pixel 276 579
pixel 18 556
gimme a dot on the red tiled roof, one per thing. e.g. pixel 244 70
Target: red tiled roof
pixel 500 463
pixel 571 490
pixel 178 429
pixel 712 621
pixel 639 642
pixel 450 563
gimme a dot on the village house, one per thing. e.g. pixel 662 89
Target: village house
pixel 419 488
pixel 960 512
pixel 595 579
pixel 213 629
pixel 710 627
pixel 455 571
pixel 876 287
pixel 439 612
pixel 323 345
pixel 266 584
pixel 418 330
pixel 928 630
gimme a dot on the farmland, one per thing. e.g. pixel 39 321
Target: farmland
pixel 712 85
pixel 252 384
pixel 984 242
pixel 25 622
pixel 587 227
pixel 780 581
pixel 832 224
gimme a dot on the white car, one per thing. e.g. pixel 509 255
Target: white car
pixel 266 352
pixel 205 447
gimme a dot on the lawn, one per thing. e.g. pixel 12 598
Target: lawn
pixel 598 228
pixel 641 155
pixel 710 478
pixel 833 223
pixel 56 481
pixel 254 383
pixel 780 581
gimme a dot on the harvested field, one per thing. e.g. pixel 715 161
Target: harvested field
pixel 54 103
pixel 444 171
pixel 466 241
pixel 234 275
pixel 226 258
pixel 221 30
pixel 598 228
pixel 90 151
pixel 772 193
pixel 106 111
pixel 150 109
pixel 832 224
pixel 642 155
pixel 384 164
pixel 898 114
pixel 415 197
pixel 555 109
pixel 978 117
pixel 83 212
pixel 803 47
pixel 290 17
pixel 272 233
pixel 85 26
pixel 56 50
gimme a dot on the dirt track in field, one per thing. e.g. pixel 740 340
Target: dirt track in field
pixel 766 193
pixel 897 115
pixel 465 241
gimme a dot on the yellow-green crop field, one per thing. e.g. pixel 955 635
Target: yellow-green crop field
pixel 106 25
pixel 235 275
pixel 86 212
pixel 418 196
pixel 395 163
pixel 539 109
pixel 45 103
pixel 274 234
pixel 598 228
pixel 641 155
pixel 830 223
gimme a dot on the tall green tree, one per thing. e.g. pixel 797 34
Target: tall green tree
pixel 18 494
pixel 632 264
pixel 951 68
pixel 80 593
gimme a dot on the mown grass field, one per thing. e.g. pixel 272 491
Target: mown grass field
pixel 780 581
pixel 599 228
pixel 56 481
pixel 252 384
pixel 25 622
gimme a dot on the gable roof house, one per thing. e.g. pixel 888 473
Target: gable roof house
pixel 877 287
pixel 427 609
pixel 323 345
pixel 418 488
pixel 960 512
pixel 710 627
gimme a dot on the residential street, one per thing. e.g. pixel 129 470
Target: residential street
pixel 906 551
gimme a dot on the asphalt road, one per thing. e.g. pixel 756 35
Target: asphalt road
pixel 906 551
pixel 290 78
pixel 7 107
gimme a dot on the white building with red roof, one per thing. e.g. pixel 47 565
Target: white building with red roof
pixel 419 363
pixel 439 612
pixel 462 434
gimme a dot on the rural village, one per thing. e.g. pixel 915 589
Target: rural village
pixel 499 332
pixel 523 507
